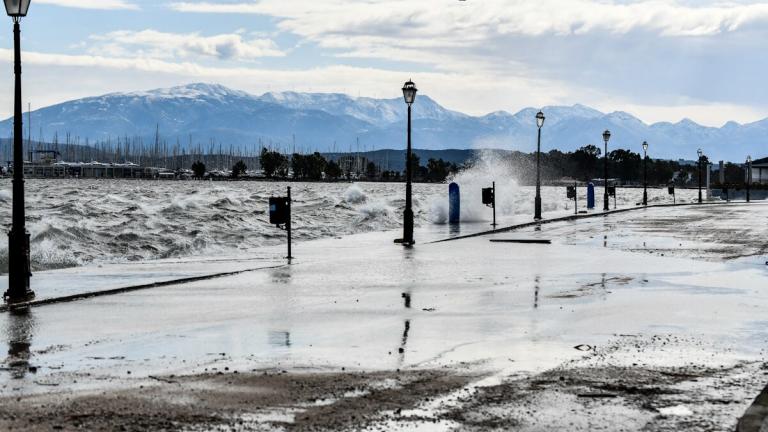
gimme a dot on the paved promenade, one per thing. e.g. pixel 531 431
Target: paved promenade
pixel 651 319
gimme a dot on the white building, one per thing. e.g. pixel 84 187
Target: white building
pixel 760 172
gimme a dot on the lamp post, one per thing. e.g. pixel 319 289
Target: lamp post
pixel 645 173
pixel 537 211
pixel 18 238
pixel 700 153
pixel 749 175
pixel 409 93
pixel 606 137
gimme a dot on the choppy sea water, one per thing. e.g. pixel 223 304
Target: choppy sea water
pixel 76 222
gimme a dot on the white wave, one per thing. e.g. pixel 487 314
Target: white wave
pixel 481 174
pixel 355 195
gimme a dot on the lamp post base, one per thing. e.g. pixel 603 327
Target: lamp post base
pixel 606 205
pixel 18 268
pixel 645 198
pixel 407 239
pixel 537 209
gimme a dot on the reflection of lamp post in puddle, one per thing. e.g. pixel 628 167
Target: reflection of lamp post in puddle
pixel 281 275
pixel 536 292
pixel 404 341
pixel 20 329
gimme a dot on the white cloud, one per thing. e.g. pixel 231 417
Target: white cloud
pixel 156 44
pixel 480 19
pixel 660 59
pixel 91 4
pixel 565 40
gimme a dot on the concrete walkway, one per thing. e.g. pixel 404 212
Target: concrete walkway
pixel 614 307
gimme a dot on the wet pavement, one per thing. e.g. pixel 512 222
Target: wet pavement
pixel 652 319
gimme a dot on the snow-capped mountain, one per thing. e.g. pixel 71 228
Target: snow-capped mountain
pixel 200 113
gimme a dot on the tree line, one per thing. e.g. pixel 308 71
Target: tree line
pixel 584 164
pixel 315 166
pixel 624 166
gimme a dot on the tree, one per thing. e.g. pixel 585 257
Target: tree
pixel 661 172
pixel 627 165
pixel 333 171
pixel 415 164
pixel 198 168
pixel 370 170
pixel 273 163
pixel 586 161
pixel 734 174
pixel 437 170
pixel 308 166
pixel 238 169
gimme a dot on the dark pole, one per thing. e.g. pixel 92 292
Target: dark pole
pixel 645 178
pixel 18 238
pixel 749 176
pixel 408 214
pixel 537 212
pixel 699 179
pixel 494 204
pixel 605 196
pixel 288 224
pixel 575 199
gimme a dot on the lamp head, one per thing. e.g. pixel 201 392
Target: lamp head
pixel 700 153
pixel 409 92
pixel 606 136
pixel 645 146
pixel 749 159
pixel 540 119
pixel 17 8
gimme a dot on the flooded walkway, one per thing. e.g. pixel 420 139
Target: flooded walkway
pixel 649 319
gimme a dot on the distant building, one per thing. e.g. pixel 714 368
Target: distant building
pixel 46 169
pixel 760 171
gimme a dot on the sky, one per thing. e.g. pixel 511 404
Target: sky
pixel 660 60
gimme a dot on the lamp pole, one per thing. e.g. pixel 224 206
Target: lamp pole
pixel 749 175
pixel 606 137
pixel 409 93
pixel 700 153
pixel 537 203
pixel 18 237
pixel 645 173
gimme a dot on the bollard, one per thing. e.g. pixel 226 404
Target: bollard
pixel 454 204
pixel 590 195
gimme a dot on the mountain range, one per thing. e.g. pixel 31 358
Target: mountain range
pixel 199 113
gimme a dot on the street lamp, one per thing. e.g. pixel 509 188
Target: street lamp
pixel 700 153
pixel 18 238
pixel 749 175
pixel 537 212
pixel 409 93
pixel 606 137
pixel 645 173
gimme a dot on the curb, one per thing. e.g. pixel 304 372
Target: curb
pixel 121 290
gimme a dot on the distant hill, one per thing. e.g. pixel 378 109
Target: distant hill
pixel 330 122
